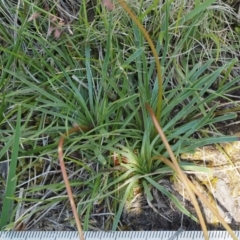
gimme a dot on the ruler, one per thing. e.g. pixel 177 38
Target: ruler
pixel 144 235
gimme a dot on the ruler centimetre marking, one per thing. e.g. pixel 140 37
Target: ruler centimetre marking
pixel 138 235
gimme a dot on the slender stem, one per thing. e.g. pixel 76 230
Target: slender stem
pixel 153 49
pixel 201 196
pixel 65 176
pixel 179 171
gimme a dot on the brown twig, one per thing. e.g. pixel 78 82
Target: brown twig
pixel 154 52
pixel 179 172
pixel 200 195
pixel 65 177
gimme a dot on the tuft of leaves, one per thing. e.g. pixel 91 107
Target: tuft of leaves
pixel 101 77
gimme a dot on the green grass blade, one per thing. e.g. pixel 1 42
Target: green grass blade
pixel 122 203
pixel 191 146
pixel 89 77
pixel 197 10
pixel 11 179
pixel 171 197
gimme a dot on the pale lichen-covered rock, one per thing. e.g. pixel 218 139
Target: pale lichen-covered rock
pixel 222 186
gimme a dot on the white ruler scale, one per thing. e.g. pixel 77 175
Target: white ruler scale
pixel 144 235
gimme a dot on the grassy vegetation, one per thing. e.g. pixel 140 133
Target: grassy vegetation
pixel 100 74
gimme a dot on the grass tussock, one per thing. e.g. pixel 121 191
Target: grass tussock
pixel 64 66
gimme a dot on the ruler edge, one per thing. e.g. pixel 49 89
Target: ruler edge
pixel 215 234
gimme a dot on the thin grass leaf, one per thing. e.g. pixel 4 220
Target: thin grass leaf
pixel 171 197
pixel 89 77
pixel 190 146
pixel 89 207
pixel 8 203
pixel 147 190
pixel 196 11
pixel 122 203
